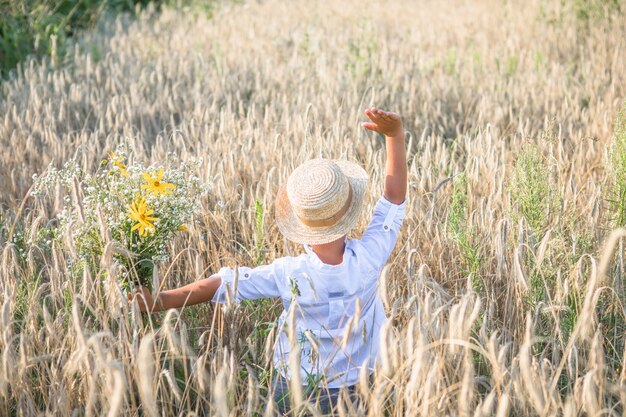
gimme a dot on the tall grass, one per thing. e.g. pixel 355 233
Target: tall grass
pixel 461 230
pixel 260 88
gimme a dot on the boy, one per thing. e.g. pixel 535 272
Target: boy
pixel 333 288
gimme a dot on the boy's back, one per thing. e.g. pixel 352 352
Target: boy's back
pixel 337 305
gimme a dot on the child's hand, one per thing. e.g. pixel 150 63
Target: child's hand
pixel 144 298
pixel 385 122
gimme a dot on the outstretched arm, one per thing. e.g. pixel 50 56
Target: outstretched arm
pixel 252 283
pixel 197 292
pixel 390 125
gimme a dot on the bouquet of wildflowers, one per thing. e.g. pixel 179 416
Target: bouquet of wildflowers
pixel 139 208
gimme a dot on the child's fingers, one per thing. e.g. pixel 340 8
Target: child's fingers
pixel 388 115
pixel 371 126
pixel 374 117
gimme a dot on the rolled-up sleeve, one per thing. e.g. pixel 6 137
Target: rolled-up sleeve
pixel 252 283
pixel 381 235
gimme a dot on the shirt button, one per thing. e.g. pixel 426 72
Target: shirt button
pixel 386 227
pixel 246 275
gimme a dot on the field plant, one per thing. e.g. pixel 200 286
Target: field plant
pixel 617 185
pixel 616 192
pixel 461 231
pixel 532 191
pixel 255 89
pixel 532 195
pixel 591 12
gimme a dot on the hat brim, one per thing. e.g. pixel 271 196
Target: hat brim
pixel 292 227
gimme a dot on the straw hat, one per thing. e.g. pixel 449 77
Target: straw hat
pixel 321 201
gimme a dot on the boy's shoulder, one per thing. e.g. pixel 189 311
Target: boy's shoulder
pixel 359 252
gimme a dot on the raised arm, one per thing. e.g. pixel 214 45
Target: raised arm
pixel 197 292
pixel 390 125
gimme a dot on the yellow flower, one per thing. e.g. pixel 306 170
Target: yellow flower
pixel 154 184
pixel 139 212
pixel 183 228
pixel 117 161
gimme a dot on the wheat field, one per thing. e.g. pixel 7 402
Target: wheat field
pixel 506 290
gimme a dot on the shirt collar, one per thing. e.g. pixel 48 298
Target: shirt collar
pixel 315 260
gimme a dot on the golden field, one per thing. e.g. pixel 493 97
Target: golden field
pixel 506 291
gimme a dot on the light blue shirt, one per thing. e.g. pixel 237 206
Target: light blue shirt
pixel 326 298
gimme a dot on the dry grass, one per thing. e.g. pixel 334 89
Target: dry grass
pixel 504 317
